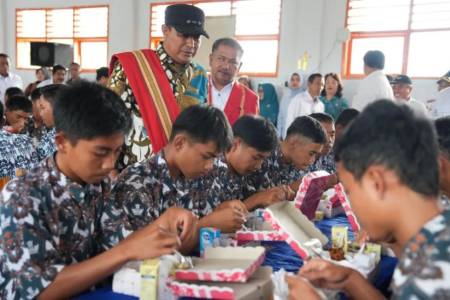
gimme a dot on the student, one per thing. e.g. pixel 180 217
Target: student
pixel 343 120
pixel 288 163
pixel 17 112
pixel 47 101
pixel 36 128
pixel 16 152
pixel 13 91
pixel 148 188
pixel 56 240
pixel 326 159
pixel 443 131
pixel 390 172
pixel 254 140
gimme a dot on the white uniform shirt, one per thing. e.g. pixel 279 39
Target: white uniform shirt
pixel 441 107
pixel 220 98
pixel 302 105
pixel 374 87
pixel 415 105
pixel 12 80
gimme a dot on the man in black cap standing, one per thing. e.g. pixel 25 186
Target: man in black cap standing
pixel 402 86
pixel 157 85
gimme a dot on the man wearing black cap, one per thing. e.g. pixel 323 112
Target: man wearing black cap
pixel 402 86
pixel 157 85
pixel 441 107
pixel 375 86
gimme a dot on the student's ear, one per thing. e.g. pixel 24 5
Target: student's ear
pixel 62 142
pixel 235 145
pixel 374 181
pixel 179 141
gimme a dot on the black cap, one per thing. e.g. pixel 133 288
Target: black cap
pixel 186 19
pixel 402 79
pixel 446 77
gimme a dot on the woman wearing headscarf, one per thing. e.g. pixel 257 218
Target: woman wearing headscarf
pixel 268 102
pixel 41 75
pixel 293 88
pixel 331 95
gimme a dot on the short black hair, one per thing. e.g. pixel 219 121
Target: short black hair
pixel 102 72
pixel 35 94
pixel 374 59
pixel 256 132
pixel 50 92
pixel 2 112
pixel 56 68
pixel 443 132
pixel 230 42
pixel 346 116
pixel 309 128
pixel 19 103
pixel 86 110
pixel 204 124
pixel 322 117
pixel 13 91
pixel 392 135
pixel 314 76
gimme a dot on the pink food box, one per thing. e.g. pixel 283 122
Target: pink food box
pixel 224 264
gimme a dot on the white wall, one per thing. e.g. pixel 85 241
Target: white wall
pixel 305 26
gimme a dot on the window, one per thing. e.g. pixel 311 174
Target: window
pixel 257 30
pixel 409 32
pixel 72 26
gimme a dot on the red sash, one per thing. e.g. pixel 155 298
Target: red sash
pixel 153 93
pixel 242 101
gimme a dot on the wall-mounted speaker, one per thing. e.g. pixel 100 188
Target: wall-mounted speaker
pixel 50 54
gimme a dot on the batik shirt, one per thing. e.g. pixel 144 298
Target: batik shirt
pixel 189 84
pixel 219 185
pixel 275 171
pixel 145 190
pixel 423 270
pixel 48 222
pixel 47 145
pixel 16 152
pixel 324 163
pixel 35 133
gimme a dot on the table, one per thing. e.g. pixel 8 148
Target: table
pixel 280 255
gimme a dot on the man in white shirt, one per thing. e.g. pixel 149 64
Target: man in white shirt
pixel 224 92
pixel 7 79
pixel 375 86
pixel 402 92
pixel 307 102
pixel 58 76
pixel 441 107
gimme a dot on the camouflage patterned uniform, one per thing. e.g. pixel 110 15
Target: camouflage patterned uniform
pixel 324 163
pixel 16 152
pixel 47 222
pixel 274 172
pixel 46 146
pixel 423 270
pixel 219 185
pixel 145 190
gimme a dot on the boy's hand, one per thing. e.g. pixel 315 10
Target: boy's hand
pixel 150 242
pixel 325 274
pixel 179 221
pixel 235 204
pixel 300 289
pixel 228 219
pixel 277 194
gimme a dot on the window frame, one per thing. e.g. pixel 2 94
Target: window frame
pixel 238 37
pixel 76 40
pixel 406 34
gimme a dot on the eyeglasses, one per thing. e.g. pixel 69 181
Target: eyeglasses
pixel 223 60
